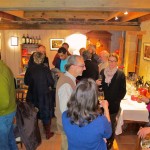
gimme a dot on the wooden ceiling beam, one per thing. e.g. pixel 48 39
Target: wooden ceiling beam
pixel 133 15
pixel 144 18
pixel 6 16
pixel 67 14
pixel 99 5
pixel 67 27
pixel 19 14
pixel 113 15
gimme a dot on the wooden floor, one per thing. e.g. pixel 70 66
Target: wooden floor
pixel 125 141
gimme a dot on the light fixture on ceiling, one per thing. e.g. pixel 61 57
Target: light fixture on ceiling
pixel 125 13
pixel 14 41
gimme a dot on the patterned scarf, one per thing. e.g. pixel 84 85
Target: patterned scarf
pixel 109 73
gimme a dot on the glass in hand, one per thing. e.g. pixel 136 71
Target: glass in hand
pixel 100 95
pixel 100 78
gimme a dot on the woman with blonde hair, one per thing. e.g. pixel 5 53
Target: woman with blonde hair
pixel 114 87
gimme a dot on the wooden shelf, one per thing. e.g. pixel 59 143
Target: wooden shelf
pixel 26 52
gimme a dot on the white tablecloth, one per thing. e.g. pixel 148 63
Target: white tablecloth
pixel 131 110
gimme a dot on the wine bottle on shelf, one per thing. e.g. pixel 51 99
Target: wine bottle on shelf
pixel 30 40
pixel 39 40
pixel 36 40
pixel 23 39
pixel 27 39
pixel 33 40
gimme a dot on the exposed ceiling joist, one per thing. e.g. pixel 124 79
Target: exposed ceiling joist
pixel 67 27
pixel 133 15
pixel 112 15
pixel 6 16
pixel 144 18
pixel 78 13
pixel 67 14
pixel 16 13
pixel 90 5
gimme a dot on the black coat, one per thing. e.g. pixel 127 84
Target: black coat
pixel 116 90
pixel 91 70
pixel 39 79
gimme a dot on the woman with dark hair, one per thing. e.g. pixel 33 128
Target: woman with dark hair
pixel 84 124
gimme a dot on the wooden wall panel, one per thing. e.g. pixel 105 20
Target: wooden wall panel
pixel 12 56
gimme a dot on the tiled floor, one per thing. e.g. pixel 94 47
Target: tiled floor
pixel 125 141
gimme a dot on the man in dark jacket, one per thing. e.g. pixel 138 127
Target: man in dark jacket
pixel 91 67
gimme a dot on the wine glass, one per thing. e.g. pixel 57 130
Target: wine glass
pixel 100 96
pixel 100 78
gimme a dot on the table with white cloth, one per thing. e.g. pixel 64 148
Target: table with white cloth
pixel 132 111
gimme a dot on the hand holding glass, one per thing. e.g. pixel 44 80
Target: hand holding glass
pixel 100 78
pixel 101 96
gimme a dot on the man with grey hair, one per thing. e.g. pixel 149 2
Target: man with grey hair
pixel 95 58
pixel 64 89
pixel 104 58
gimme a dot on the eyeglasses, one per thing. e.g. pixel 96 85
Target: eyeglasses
pixel 112 61
pixel 80 66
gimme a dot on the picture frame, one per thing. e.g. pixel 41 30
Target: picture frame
pixel 146 51
pixel 55 44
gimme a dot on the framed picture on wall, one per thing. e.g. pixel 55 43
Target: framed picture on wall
pixel 146 51
pixel 55 44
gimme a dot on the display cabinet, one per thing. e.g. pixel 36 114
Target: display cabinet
pixel 26 52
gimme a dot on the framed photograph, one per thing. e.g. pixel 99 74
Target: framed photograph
pixel 56 43
pixel 146 51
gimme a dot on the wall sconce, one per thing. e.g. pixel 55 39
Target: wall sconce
pixel 14 41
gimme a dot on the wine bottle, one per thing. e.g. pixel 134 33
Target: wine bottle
pixel 27 39
pixel 33 40
pixel 39 40
pixel 30 41
pixel 23 39
pixel 36 40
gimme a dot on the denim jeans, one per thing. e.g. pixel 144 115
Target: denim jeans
pixel 7 139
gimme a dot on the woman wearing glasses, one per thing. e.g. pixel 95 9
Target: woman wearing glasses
pixel 114 87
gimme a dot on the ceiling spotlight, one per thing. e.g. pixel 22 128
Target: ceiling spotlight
pixel 125 13
pixel 116 18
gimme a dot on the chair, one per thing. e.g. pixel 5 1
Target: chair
pixel 19 81
pixel 21 94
